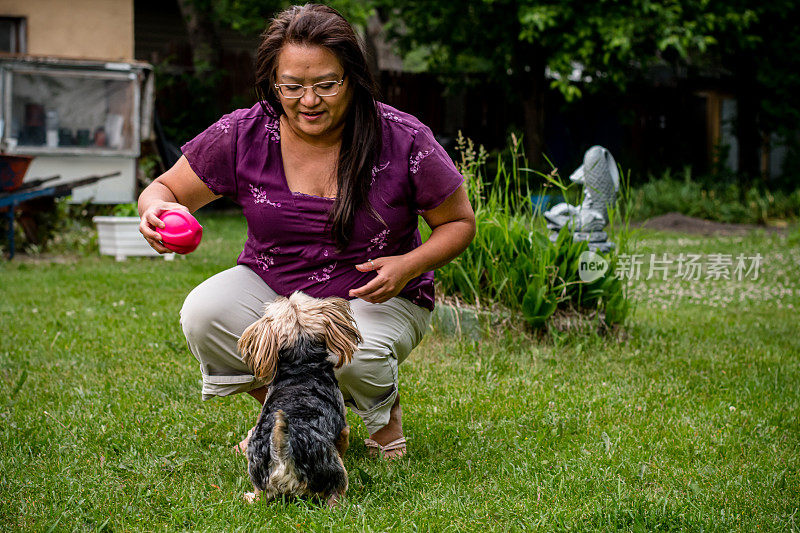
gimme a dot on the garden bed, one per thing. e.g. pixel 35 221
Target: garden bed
pixel 697 226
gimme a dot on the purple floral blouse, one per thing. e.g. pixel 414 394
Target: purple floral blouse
pixel 288 244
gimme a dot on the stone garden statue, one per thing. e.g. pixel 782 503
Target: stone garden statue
pixel 600 179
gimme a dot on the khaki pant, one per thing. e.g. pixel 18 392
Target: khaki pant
pixel 218 310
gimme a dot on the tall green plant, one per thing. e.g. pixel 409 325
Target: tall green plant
pixel 511 261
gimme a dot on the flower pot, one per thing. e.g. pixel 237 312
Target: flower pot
pixel 120 237
pixel 12 170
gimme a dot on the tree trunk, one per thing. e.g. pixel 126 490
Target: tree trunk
pixel 533 113
pixel 371 35
pixel 747 132
pixel 530 63
pixel 203 36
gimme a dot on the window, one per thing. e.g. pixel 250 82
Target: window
pixel 12 35
pixel 70 110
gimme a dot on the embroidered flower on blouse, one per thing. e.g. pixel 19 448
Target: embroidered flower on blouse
pixel 378 241
pixel 378 168
pixel 213 184
pixel 323 275
pixel 394 118
pixel 223 124
pixel 415 161
pixel 391 116
pixel 266 260
pixel 273 131
pixel 260 196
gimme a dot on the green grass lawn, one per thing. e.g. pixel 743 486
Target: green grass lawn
pixel 691 423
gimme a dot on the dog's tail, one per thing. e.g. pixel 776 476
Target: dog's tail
pixel 284 477
pixel 280 447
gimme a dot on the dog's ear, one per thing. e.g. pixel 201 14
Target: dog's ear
pixel 259 346
pixel 341 333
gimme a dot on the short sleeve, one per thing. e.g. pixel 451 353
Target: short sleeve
pixel 212 156
pixel 433 175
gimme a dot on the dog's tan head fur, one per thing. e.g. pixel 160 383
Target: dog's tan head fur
pixel 328 320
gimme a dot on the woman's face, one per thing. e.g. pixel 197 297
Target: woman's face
pixel 312 116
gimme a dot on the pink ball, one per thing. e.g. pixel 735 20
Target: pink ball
pixel 182 233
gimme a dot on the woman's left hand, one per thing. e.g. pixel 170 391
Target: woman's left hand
pixel 452 226
pixel 393 273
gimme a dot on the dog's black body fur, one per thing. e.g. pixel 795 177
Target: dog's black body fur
pixel 306 391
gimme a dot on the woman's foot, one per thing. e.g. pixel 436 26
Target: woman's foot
pixel 388 442
pixel 391 451
pixel 260 395
pixel 241 448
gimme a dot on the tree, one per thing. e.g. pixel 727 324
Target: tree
pixel 252 16
pixel 203 36
pixel 762 56
pixel 198 96
pixel 518 41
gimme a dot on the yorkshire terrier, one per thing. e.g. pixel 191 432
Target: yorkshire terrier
pixel 297 445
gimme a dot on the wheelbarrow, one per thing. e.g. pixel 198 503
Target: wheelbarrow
pixel 14 192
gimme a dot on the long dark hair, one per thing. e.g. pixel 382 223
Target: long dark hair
pixel 319 25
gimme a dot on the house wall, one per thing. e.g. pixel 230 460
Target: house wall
pixel 81 29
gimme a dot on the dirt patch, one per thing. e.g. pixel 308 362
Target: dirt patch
pixel 697 226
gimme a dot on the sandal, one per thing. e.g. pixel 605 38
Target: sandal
pixel 376 450
pixel 241 448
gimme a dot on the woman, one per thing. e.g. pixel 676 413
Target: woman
pixel 331 184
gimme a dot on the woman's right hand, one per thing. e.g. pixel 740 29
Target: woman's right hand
pixel 178 188
pixel 150 221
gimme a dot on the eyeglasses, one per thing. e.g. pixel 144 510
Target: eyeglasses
pixel 323 88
